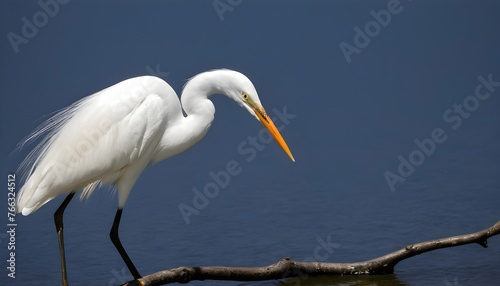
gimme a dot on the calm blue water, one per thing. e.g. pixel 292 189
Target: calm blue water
pixel 261 219
pixel 348 124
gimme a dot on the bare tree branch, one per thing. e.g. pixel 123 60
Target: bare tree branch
pixel 286 267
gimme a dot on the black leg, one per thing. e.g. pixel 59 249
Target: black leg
pixel 116 241
pixel 58 219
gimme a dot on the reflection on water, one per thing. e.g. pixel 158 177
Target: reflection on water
pixel 365 280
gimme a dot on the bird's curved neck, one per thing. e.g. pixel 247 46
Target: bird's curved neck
pixel 194 98
pixel 200 113
pixel 199 109
pixel 190 129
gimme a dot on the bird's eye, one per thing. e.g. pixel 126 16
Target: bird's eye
pixel 245 96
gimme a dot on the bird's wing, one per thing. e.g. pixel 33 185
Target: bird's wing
pixel 95 139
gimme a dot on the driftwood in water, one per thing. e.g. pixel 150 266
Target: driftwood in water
pixel 286 267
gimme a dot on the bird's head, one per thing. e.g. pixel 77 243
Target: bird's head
pixel 241 89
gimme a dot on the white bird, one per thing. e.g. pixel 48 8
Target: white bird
pixel 110 137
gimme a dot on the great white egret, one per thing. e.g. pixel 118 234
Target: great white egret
pixel 110 137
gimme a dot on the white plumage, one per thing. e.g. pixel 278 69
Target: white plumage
pixel 110 137
pixel 106 137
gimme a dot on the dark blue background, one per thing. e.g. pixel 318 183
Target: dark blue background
pixel 352 122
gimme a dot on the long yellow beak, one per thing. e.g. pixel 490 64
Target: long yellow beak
pixel 268 123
